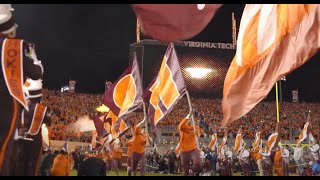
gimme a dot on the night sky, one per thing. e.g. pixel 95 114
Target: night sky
pixel 90 44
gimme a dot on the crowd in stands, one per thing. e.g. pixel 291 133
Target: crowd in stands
pixel 67 108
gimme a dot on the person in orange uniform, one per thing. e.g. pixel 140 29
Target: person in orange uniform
pixel 61 165
pixel 116 155
pixel 258 159
pixel 138 149
pixel 278 162
pixel 129 153
pixel 189 151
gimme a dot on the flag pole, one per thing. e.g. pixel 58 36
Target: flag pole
pixel 138 31
pixel 146 121
pixel 192 118
pixel 234 30
pixel 277 103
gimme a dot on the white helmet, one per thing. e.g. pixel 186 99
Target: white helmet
pixel 7 24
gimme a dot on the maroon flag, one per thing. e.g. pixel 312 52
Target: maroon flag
pixel 168 87
pixel 99 123
pixel 111 120
pixel 125 95
pixel 173 22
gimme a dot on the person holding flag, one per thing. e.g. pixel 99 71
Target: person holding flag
pixel 314 147
pixel 257 146
pixel 138 149
pixel 266 152
pixel 129 153
pixel 189 151
pixel 298 150
pixel 116 154
pixel 244 160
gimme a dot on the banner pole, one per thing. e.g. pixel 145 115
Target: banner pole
pixel 138 31
pixel 192 117
pixel 146 121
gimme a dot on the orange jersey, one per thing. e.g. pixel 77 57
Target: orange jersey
pixel 108 156
pixel 278 163
pixel 139 141
pixel 257 154
pixel 129 151
pixel 100 156
pixel 117 153
pixel 187 136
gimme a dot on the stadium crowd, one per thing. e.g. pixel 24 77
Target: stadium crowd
pixel 67 108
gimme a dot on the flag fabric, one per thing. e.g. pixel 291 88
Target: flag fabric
pixel 271 142
pixel 213 142
pixel 168 87
pixel 222 144
pixel 304 133
pixel 173 22
pixel 273 40
pixel 310 127
pixel 111 120
pixel 257 140
pixel 125 95
pixel 238 142
pixel 105 125
pixel 100 125
pixel 65 146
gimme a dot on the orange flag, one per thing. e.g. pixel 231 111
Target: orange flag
pixel 274 40
pixel 238 141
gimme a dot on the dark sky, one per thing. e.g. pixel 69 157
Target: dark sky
pixel 90 44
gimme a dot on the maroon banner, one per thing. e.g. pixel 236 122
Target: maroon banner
pixel 168 87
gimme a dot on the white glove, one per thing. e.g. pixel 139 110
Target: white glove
pixel 34 57
pixel 38 63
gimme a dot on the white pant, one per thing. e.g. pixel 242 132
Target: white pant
pixel 259 163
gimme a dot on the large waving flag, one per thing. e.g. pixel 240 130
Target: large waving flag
pixel 274 39
pixel 168 87
pixel 173 22
pixel 125 95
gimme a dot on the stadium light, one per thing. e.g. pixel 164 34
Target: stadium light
pixel 198 72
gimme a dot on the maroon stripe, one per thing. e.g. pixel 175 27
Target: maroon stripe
pixel 7 25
